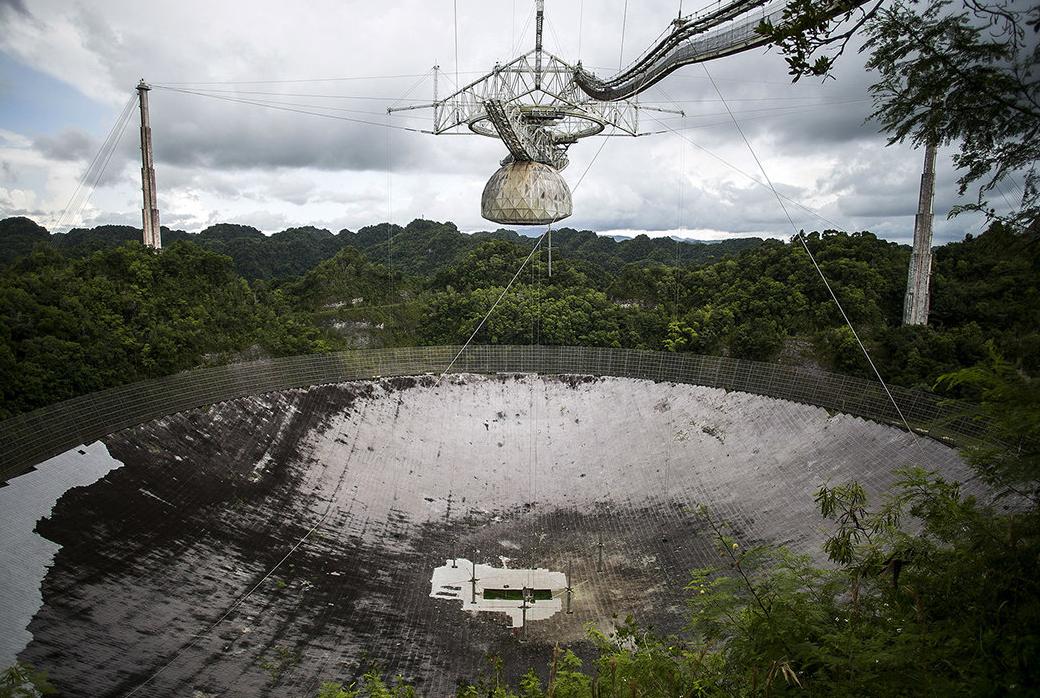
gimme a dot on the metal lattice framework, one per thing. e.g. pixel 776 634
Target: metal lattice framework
pixel 539 104
pixel 534 105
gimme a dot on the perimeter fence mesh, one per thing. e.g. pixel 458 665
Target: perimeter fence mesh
pixel 30 438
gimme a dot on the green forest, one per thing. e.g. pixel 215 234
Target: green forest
pixel 94 308
pixel 927 591
pixel 922 590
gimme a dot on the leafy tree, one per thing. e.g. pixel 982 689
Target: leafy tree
pixel 347 278
pixel 73 321
pixel 948 72
pixel 19 236
pixel 1010 461
pixel 758 340
pixel 72 326
pixel 23 681
pixel 371 685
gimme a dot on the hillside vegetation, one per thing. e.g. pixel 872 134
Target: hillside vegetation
pixel 927 591
pixel 94 308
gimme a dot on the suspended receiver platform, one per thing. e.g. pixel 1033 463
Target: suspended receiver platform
pixel 539 105
pixel 535 107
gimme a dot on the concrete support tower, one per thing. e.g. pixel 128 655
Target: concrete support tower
pixel 916 303
pixel 150 212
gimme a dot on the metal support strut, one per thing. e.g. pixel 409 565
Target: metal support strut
pixel 473 580
pixel 539 19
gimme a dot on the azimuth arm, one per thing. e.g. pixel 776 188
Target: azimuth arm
pixel 696 40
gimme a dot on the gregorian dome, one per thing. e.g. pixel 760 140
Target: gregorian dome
pixel 526 193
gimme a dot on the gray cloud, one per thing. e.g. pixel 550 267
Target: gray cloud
pixel 263 220
pixel 225 159
pixel 215 133
pixel 15 6
pixel 70 144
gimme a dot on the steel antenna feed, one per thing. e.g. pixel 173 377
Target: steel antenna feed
pixel 535 107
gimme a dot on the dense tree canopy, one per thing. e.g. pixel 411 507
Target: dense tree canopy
pixel 927 590
pixel 948 71
pixel 83 311
pixel 115 316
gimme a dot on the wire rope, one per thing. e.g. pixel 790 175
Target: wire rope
pixel 95 170
pixel 244 597
pixel 771 114
pixel 389 203
pixel 233 606
pixel 678 76
pixel 294 110
pixel 1007 201
pixel 415 85
pixel 801 239
pixel 263 93
pixel 101 156
pixel 581 24
pixel 755 110
pixel 523 32
pixel 389 219
pixel 624 25
pixel 681 222
pixel 289 82
pixel 752 178
pixel 523 264
pixel 265 102
pixel 455 6
pixel 555 36
pixel 754 99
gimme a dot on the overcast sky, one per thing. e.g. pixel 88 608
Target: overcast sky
pixel 68 68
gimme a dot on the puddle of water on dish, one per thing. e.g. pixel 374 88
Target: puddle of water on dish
pixel 25 556
pixel 523 594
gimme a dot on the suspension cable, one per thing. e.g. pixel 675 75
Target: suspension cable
pixel 523 264
pixel 233 606
pixel 389 218
pixel 270 105
pixel 744 173
pixel 801 238
pixel 455 6
pixel 263 93
pixel 305 80
pixel 681 222
pixel 581 23
pixel 389 203
pixel 92 175
pixel 624 24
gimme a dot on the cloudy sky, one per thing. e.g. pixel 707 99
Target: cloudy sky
pixel 68 68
